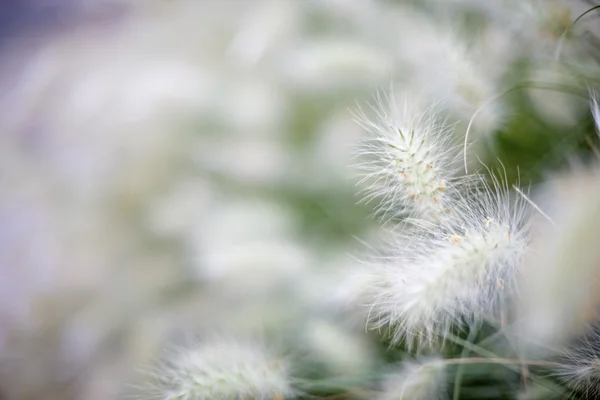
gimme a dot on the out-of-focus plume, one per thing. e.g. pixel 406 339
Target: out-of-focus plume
pixel 220 369
pixel 561 274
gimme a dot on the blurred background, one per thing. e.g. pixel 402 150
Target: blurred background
pixel 173 168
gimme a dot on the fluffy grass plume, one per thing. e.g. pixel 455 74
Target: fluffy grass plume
pixel 440 275
pixel 221 369
pixel 411 157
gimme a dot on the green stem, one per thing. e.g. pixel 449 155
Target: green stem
pixel 461 368
pixel 488 355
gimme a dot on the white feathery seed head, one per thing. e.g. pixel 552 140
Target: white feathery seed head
pixel 580 365
pixel 416 381
pixel 412 158
pixel 449 273
pixel 222 369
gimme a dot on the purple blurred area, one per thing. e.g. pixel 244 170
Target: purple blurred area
pixel 27 18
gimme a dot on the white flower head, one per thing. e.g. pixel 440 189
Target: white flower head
pixel 412 157
pixel 416 381
pixel 449 273
pixel 222 369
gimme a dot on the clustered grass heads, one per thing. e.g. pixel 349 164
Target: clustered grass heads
pixel 221 368
pixel 452 263
pixel 451 272
pixel 412 158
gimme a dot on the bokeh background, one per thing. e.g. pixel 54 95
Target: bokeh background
pixel 172 168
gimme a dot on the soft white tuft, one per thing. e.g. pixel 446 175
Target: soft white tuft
pixel 451 272
pixel 221 369
pixel 580 366
pixel 411 158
